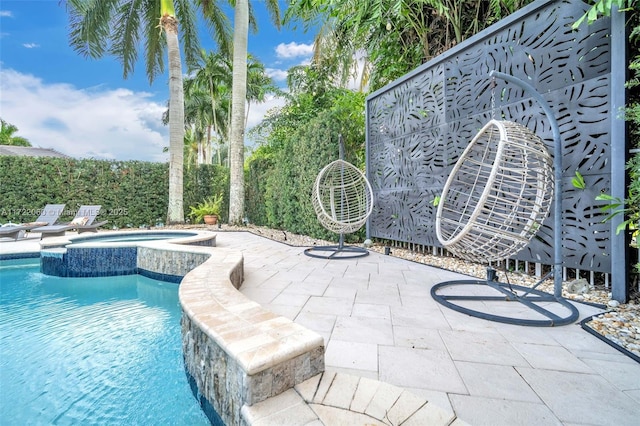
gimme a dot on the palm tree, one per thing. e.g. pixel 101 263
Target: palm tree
pixel 117 27
pixel 6 135
pixel 208 96
pixel 197 118
pixel 239 94
pixel 259 84
pixel 192 138
pixel 214 76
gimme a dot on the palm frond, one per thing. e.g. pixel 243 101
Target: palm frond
pixel 89 23
pixel 155 42
pixel 218 24
pixel 186 15
pixel 125 35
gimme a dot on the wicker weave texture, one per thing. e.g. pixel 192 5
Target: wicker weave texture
pixel 497 194
pixel 342 197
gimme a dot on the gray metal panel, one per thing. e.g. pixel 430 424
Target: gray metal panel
pixel 418 126
pixel 619 146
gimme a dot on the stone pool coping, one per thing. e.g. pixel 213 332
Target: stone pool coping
pixel 236 352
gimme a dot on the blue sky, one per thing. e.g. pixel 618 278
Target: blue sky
pixel 83 107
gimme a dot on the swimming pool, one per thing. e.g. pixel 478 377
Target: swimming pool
pixel 91 350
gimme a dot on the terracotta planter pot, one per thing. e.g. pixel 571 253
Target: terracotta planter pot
pixel 210 219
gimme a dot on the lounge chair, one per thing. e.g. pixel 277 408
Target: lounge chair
pixel 11 231
pixel 82 222
pixel 48 216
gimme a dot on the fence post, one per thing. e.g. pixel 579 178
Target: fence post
pixel 619 243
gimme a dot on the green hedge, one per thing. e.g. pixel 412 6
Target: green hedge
pixel 132 193
pixel 280 176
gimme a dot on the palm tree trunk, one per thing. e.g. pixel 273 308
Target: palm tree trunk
pixel 208 148
pixel 239 95
pixel 246 115
pixel 175 213
pixel 215 119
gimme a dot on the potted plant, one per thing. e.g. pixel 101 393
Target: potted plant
pixel 208 210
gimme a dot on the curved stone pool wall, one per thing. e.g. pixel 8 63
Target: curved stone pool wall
pixel 236 353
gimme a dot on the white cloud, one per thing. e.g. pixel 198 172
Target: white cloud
pixel 30 45
pixel 258 111
pixel 293 50
pixel 109 124
pixel 276 74
pixel 97 123
pixel 6 14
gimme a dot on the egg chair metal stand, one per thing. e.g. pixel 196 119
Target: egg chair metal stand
pixel 493 203
pixel 343 200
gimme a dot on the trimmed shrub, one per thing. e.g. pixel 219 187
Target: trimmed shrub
pixel 132 193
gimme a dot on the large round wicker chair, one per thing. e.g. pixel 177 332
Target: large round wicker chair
pixel 493 203
pixel 497 195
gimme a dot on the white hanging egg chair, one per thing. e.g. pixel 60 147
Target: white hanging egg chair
pixel 343 200
pixel 497 195
pixel 342 197
pixel 493 203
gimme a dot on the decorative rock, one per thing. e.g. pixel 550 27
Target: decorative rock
pixel 613 303
pixel 579 286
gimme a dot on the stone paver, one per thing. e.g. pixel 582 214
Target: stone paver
pixel 502 412
pixel 495 381
pixel 582 398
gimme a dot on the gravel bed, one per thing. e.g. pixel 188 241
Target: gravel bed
pixel 620 325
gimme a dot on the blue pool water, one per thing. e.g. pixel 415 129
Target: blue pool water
pixel 91 350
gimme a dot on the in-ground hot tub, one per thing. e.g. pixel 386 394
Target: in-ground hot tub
pixel 131 237
pixel 112 253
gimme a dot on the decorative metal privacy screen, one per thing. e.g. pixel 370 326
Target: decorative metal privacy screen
pixel 418 126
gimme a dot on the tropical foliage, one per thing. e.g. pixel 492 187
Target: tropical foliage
pixel 210 206
pixel 7 137
pixel 208 107
pixel 388 38
pixel 297 140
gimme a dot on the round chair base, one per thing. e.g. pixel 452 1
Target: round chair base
pixel 336 252
pixel 526 306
